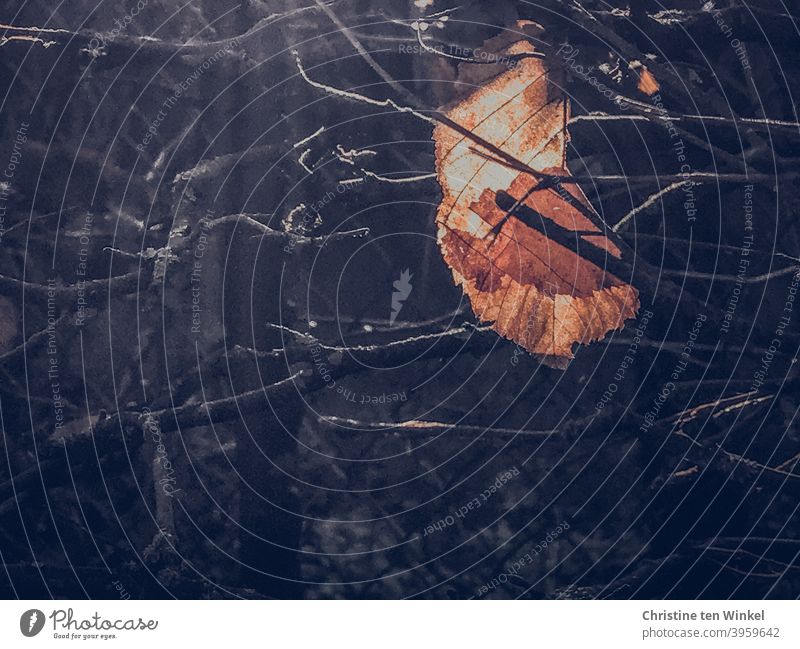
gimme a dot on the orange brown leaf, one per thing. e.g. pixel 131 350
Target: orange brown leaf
pixel 526 248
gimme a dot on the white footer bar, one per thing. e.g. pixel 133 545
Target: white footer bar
pixel 400 624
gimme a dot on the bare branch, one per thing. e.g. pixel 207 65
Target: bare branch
pixel 717 277
pixel 383 74
pixel 653 115
pixel 29 35
pixel 121 284
pixel 331 90
pixel 32 340
pixel 253 222
pixel 219 410
pixel 741 459
pixel 429 427
pixel 651 200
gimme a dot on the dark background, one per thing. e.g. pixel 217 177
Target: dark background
pixel 292 488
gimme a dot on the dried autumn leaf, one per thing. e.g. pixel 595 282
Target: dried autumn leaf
pixel 526 250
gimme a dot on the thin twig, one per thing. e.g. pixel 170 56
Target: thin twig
pixel 385 103
pixel 651 200
pixel 414 340
pixel 600 116
pixel 201 414
pixel 383 74
pixel 398 181
pixel 740 459
pixel 32 340
pixel 371 325
pixel 89 288
pixel 429 427
pixel 755 279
